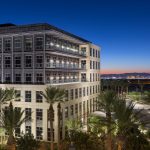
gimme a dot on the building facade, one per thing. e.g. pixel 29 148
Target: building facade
pixel 35 56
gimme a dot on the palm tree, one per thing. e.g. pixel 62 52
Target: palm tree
pixel 127 120
pixel 27 142
pixel 94 123
pixel 53 95
pixel 106 103
pixel 12 118
pixel 73 127
pixel 7 95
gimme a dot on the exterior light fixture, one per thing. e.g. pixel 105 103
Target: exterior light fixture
pixel 51 44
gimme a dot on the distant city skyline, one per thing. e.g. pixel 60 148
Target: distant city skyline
pixel 121 28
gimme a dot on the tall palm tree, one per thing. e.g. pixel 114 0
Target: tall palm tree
pixel 106 103
pixel 11 119
pixel 53 95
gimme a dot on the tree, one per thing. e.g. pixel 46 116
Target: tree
pixel 106 103
pixel 73 126
pixel 53 95
pixel 127 124
pixel 7 95
pixel 27 142
pixel 96 125
pixel 12 118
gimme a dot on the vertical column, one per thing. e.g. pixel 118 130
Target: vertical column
pixel 33 60
pixel 44 60
pixel 2 60
pixel 45 127
pixel 12 59
pixel 22 60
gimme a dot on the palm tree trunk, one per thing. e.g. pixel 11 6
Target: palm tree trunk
pixel 58 113
pixel 120 145
pixel 11 143
pixel 51 125
pixel 109 139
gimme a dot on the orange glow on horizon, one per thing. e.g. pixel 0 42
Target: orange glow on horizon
pixel 119 71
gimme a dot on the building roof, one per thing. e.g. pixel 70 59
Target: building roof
pixel 9 28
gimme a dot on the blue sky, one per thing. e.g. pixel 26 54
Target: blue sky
pixel 120 27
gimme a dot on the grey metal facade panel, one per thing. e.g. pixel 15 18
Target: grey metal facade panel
pixel 37 27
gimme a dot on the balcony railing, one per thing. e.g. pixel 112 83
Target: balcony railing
pixel 63 49
pixel 63 66
pixel 62 81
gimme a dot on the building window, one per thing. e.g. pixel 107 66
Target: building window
pixel 18 61
pixel 18 78
pixel 39 132
pixel 39 97
pixel 28 44
pixel 90 90
pixel 93 77
pixel 67 95
pixel 49 134
pixel 93 90
pixel 18 95
pixel 7 78
pixel 17 131
pixel 39 43
pixel 0 45
pixel 83 50
pixel 17 43
pixel 84 91
pixel 90 64
pixel 28 77
pixel 0 62
pixel 28 61
pixel 76 108
pixel 7 62
pixel 76 93
pixel 93 64
pixel 80 92
pixel 93 52
pixel 71 94
pixel 7 45
pixel 39 77
pixel 71 110
pixel 90 51
pixel 28 129
pixel 39 61
pixel 90 77
pixel 83 64
pixel 80 108
pixel 87 107
pixel 87 91
pixel 66 112
pixel 28 113
pixel 39 114
pixel 27 96
pixel 96 52
pixel 83 77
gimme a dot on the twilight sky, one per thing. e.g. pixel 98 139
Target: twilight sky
pixel 120 27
